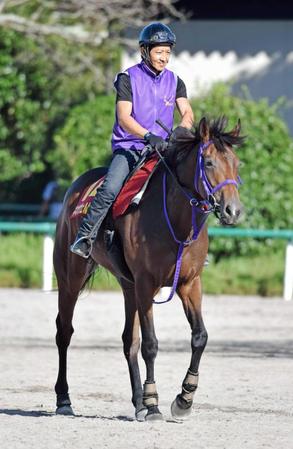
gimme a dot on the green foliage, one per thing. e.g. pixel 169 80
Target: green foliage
pixel 23 112
pixel 21 261
pixel 39 84
pixel 84 140
pixel 267 164
pixel 260 274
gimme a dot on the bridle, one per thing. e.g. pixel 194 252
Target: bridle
pixel 207 204
pixel 200 209
pixel 201 176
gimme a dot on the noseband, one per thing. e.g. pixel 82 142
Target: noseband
pixel 199 208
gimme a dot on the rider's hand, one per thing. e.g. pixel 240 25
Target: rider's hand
pixel 156 142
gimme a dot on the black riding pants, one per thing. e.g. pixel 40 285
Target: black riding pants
pixel 123 161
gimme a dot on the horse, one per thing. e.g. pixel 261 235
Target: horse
pixel 163 242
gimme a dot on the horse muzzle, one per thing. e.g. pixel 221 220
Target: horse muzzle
pixel 230 212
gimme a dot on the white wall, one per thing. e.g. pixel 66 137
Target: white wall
pixel 258 54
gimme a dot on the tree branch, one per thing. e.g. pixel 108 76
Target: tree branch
pixel 74 33
pixel 83 21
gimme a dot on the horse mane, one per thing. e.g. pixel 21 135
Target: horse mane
pixel 183 140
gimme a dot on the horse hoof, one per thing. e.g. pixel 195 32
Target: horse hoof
pixel 141 414
pixel 154 417
pixel 179 414
pixel 64 410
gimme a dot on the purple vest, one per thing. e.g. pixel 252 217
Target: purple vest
pixel 153 97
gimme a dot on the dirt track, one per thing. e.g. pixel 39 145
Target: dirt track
pixel 245 395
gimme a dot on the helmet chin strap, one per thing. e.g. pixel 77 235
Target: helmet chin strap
pixel 145 54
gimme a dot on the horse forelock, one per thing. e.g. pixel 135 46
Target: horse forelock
pixel 183 140
pixel 222 138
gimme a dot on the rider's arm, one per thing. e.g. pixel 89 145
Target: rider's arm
pixel 184 108
pixel 183 105
pixel 126 121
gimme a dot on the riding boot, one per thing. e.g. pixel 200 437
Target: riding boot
pixel 89 228
pixel 122 163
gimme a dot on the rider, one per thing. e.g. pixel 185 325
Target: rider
pixel 145 92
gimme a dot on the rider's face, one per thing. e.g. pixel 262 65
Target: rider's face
pixel 159 57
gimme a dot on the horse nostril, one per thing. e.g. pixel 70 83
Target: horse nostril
pixel 238 212
pixel 229 211
pixel 232 211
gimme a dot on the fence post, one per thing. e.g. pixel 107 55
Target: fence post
pixel 288 276
pixel 48 246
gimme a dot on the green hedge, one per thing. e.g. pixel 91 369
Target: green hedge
pixel 84 140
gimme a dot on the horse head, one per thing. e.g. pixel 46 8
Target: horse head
pixel 218 167
pixel 213 177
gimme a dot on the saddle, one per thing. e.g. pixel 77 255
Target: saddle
pixel 131 192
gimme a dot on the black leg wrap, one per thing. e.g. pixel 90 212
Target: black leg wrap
pixel 63 399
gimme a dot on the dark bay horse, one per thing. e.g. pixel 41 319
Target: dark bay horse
pixel 165 232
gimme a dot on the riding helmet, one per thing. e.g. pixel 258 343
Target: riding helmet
pixel 156 33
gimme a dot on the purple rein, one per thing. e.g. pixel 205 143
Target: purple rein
pixel 200 208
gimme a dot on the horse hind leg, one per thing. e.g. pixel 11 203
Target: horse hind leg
pixel 191 299
pixel 71 272
pixel 131 345
pixel 63 336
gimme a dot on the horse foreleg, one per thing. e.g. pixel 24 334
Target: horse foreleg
pixel 131 344
pixel 190 295
pixel 149 349
pixel 63 336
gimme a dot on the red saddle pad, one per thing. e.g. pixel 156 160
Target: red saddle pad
pixel 128 191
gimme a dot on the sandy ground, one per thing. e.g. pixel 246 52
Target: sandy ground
pixel 245 395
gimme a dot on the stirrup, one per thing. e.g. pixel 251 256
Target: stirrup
pixel 76 249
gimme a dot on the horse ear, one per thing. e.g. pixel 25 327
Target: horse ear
pixel 203 128
pixel 236 131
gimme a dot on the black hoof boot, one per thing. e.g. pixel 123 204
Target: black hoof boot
pixel 180 409
pixel 64 405
pixel 154 414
